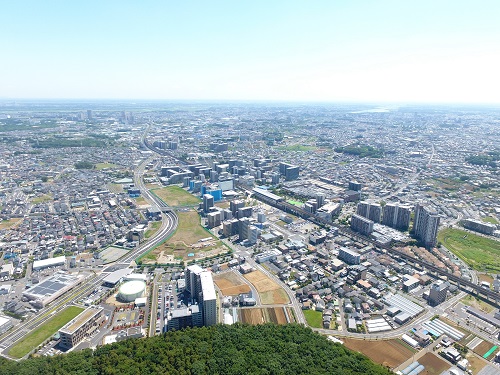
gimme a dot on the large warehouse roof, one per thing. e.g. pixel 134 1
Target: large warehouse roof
pixel 114 277
pixel 50 262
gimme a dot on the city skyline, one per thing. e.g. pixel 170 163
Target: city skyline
pixel 294 52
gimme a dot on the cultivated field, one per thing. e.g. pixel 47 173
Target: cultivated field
pixel 262 315
pixel 433 364
pixel 479 252
pixel 270 293
pixel 175 196
pixel 483 348
pixel 186 240
pixel 389 353
pixel 43 332
pixel 230 284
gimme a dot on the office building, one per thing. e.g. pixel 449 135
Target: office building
pixel 291 172
pixel 426 225
pixel 208 202
pixel 356 186
pixel 84 325
pixel 361 224
pixel 235 205
pixel 437 293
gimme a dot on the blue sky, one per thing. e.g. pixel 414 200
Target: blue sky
pixel 377 51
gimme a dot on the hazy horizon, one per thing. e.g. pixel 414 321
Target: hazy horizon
pixel 386 52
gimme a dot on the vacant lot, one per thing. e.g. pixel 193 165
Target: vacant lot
pixel 155 225
pixel 433 364
pixel 43 332
pixel 100 166
pixel 270 293
pixel 186 240
pixel 263 315
pixel 230 284
pixel 389 353
pixel 42 199
pixel 481 253
pixel 476 364
pixel 477 303
pixel 175 196
pixel 314 318
pixel 4 224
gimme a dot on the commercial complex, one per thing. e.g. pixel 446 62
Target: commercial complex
pixel 51 288
pixel 82 326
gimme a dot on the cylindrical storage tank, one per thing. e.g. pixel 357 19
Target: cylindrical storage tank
pixel 131 290
pixel 418 370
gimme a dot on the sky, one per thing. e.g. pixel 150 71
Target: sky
pixel 431 51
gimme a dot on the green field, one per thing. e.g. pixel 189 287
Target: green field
pixel 489 219
pixel 43 332
pixel 298 148
pixel 296 203
pixel 175 196
pixel 100 166
pixel 42 199
pixel 480 253
pixel 314 318
pixel 154 228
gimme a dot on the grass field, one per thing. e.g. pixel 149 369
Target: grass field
pixel 489 219
pixel 314 318
pixel 481 253
pixel 100 166
pixel 155 225
pixel 230 284
pixel 389 353
pixel 41 199
pixel 140 201
pixel 270 293
pixel 477 303
pixel 185 240
pixel 175 196
pixel 43 332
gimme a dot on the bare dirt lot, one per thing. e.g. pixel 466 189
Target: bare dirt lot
pixel 263 315
pixel 230 284
pixel 433 364
pixel 389 353
pixel 270 293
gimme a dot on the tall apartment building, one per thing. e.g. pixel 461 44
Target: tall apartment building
pixel 200 285
pixel 235 205
pixel 372 211
pixel 247 231
pixel 396 216
pixel 84 325
pixel 361 224
pixel 356 186
pixel 426 225
pixel 349 256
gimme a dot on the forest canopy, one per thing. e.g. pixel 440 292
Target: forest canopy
pixel 221 349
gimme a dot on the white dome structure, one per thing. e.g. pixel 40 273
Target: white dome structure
pixel 131 290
